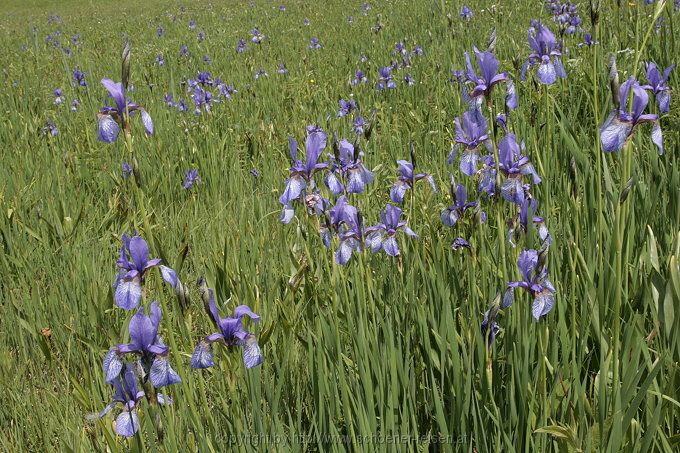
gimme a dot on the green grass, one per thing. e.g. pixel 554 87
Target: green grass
pixel 389 348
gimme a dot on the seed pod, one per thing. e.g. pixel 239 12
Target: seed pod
pixel 614 81
pixel 125 65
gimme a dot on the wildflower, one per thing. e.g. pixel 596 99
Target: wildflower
pixel 110 119
pixel 126 170
pixel 184 51
pixel 255 173
pixel 58 96
pixel 618 128
pixel 523 222
pixel 383 235
pixel 409 80
pixel 133 263
pixel 658 85
pixel 488 66
pixel 160 61
pixel 78 78
pixel 386 79
pixel 241 46
pixel 466 13
pixel 535 282
pixel 348 164
pixel 460 243
pixel 358 125
pixel 514 165
pixel 587 41
pixel 190 178
pixel 50 128
pixel 471 135
pixel 489 327
pixel 282 8
pixel 547 55
pixel 305 22
pixel 160 31
pixel 301 175
pixel 201 36
pixel 192 24
pixel 260 73
pixel 231 333
pixel 281 69
pixel 314 44
pixel 74 105
pixel 346 107
pixel 146 343
pixel 202 99
pixel 359 78
pixel 406 180
pixel 453 213
pixel 257 37
pixel 207 59
pixel 127 393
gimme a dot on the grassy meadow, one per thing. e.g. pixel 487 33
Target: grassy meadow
pixel 384 353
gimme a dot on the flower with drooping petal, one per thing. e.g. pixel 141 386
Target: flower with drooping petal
pixel 111 119
pixel 78 78
pixel 460 243
pixel 386 79
pixel 407 179
pixel 257 37
pixel 301 174
pixel 473 134
pixel 466 13
pixel 314 44
pixel 383 236
pixel 489 77
pixel 241 46
pixel 514 165
pixel 231 333
pixel 146 343
pixel 133 263
pixel 587 41
pixel 190 178
pixel 346 107
pixel 535 281
pixel 58 96
pixel 658 84
pixel 350 230
pixel 522 224
pixel 348 167
pixel 453 213
pixel 358 125
pixel 489 327
pixel 126 170
pixel 127 393
pixel 281 69
pixel 618 128
pixel 359 78
pixel 547 55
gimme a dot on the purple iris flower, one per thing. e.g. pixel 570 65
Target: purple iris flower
pixel 410 81
pixel 523 217
pixel 301 174
pixel 160 61
pixel 488 66
pixel 386 79
pixel 314 44
pixel 618 128
pixel 383 235
pixel 460 243
pixel 160 31
pixel 490 326
pixel 587 41
pixel 365 8
pixel 207 59
pixel 658 84
pixel 127 393
pixel 225 90
pixel 133 263
pixel 349 167
pixel 305 22
pixel 350 230
pixel 502 121
pixel 473 133
pixel 74 105
pixel 466 13
pixel 110 119
pixel 257 37
pixel 547 55
pixel 192 24
pixel 358 125
pixel 281 69
pixel 359 78
pixel 201 36
pixel 183 51
pixel 202 100
pixel 191 177
pixel 231 333
pixel 260 73
pixel 535 281
pixel 514 165
pixel 126 170
pixel 241 46
pixel 406 181
pixel 58 96
pixel 346 107
pixel 78 78
pixel 146 343
pixel 453 213
pixel 50 128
